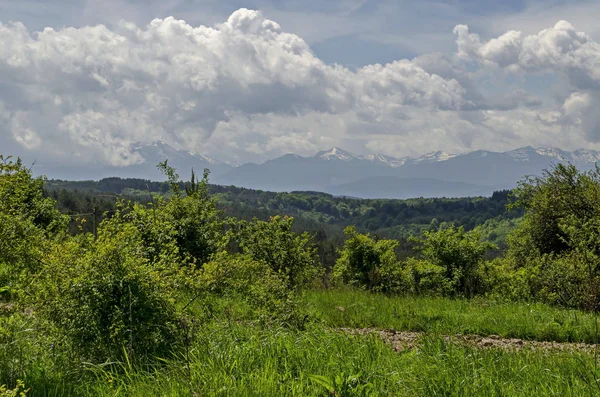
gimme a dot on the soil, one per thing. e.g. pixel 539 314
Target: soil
pixel 402 340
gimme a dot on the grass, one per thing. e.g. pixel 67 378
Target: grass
pixel 246 361
pixel 239 358
pixel 360 309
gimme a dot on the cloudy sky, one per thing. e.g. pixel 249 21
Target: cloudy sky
pixel 81 80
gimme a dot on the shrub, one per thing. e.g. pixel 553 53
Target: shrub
pixel 459 254
pixel 254 283
pixel 27 221
pixel 290 255
pixel 425 278
pixel 368 263
pixel 198 225
pixel 107 297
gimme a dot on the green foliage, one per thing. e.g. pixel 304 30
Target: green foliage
pixel 27 220
pixel 290 255
pixel 554 253
pixel 18 391
pixel 244 279
pixel 459 254
pixel 108 297
pixel 426 278
pixel 369 263
pixel 559 195
pixel 197 222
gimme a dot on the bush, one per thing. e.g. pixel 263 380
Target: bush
pixel 107 297
pixel 27 221
pixel 425 278
pixel 369 263
pixel 290 255
pixel 197 224
pixel 244 279
pixel 555 251
pixel 459 254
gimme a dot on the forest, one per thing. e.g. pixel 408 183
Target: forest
pixel 131 287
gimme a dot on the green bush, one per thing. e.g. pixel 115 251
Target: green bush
pixel 368 263
pixel 459 254
pixel 290 255
pixel 107 297
pixel 425 278
pixel 27 221
pixel 246 280
pixel 554 253
pixel 197 225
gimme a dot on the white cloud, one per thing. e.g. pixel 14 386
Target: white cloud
pixel 561 49
pixel 246 90
pixel 93 91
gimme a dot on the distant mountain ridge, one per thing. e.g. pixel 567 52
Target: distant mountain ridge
pixel 340 172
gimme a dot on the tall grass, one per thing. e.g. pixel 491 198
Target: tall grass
pixel 357 309
pixel 247 361
pixel 237 357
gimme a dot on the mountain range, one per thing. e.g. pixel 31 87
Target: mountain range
pixel 339 172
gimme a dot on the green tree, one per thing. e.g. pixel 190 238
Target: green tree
pixel 553 254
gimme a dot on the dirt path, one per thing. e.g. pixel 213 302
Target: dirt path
pixel 402 340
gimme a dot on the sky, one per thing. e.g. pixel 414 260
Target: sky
pixel 81 81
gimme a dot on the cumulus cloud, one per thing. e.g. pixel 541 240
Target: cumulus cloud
pixel 247 90
pixel 562 50
pixel 91 92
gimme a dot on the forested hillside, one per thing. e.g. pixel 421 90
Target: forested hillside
pixel 323 215
pixel 393 218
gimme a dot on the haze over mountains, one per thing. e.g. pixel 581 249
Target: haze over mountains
pixel 339 172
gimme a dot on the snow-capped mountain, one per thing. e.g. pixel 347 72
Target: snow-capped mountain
pixel 437 173
pixel 338 171
pixel 433 157
pixel 388 160
pixel 160 151
pixel 337 154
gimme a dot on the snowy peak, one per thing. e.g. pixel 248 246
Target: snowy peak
pixel 585 156
pixel 522 154
pixel 337 154
pixel 577 157
pixel 158 150
pixel 434 157
pixel 387 160
pixel 553 152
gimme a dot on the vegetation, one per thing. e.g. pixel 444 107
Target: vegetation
pixel 168 293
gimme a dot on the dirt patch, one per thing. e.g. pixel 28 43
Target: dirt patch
pixel 403 340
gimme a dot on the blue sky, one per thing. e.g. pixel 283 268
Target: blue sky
pixel 299 75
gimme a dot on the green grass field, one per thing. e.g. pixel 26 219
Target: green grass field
pixel 244 361
pixel 241 358
pixel 358 309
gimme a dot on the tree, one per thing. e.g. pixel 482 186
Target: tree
pixel 554 253
pixel 560 194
